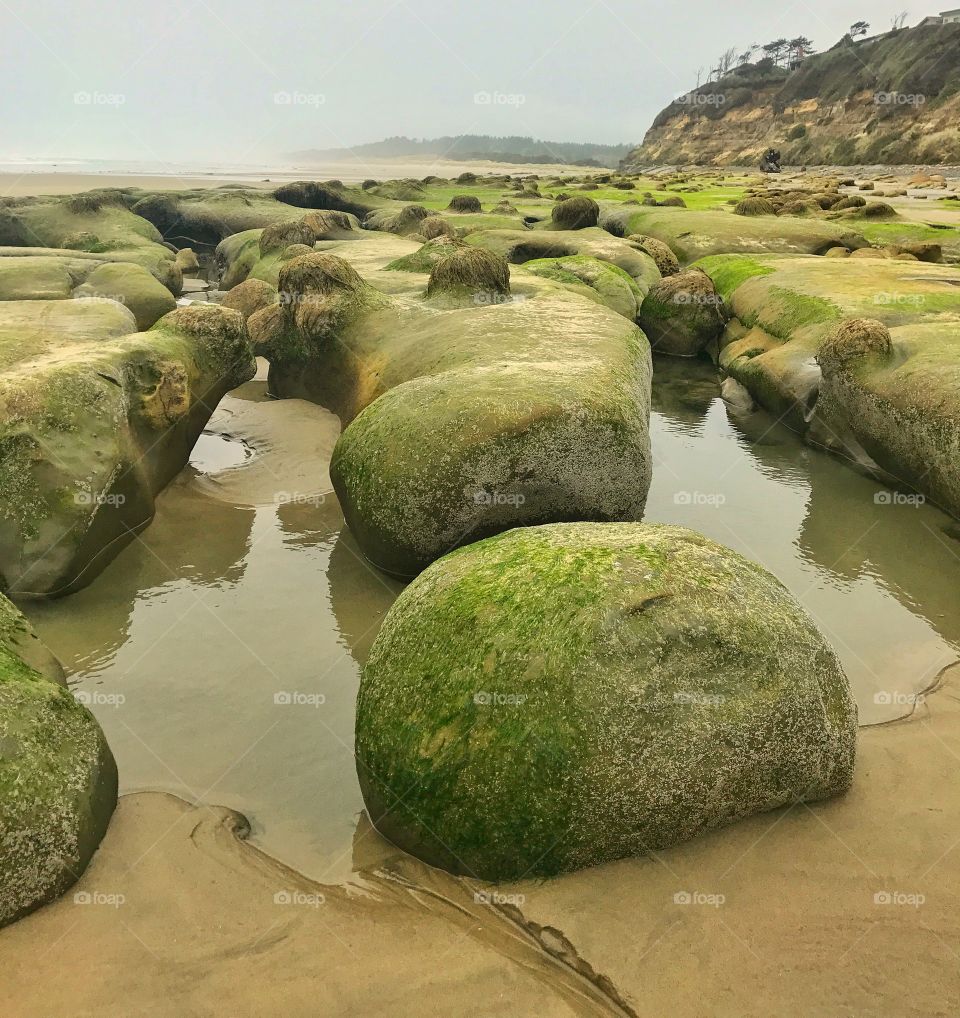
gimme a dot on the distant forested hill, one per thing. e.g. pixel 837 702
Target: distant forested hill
pixel 510 149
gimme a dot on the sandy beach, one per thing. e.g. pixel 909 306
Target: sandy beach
pixel 840 908
pixel 46 180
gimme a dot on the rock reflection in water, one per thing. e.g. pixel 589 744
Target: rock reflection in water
pixel 881 580
pixel 223 645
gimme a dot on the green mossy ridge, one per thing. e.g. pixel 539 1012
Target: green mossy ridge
pixel 728 272
pixel 698 234
pixel 597 630
pixel 423 259
pixel 612 285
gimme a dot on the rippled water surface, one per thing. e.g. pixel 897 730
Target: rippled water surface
pixel 221 650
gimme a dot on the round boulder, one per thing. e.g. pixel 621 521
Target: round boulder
pixel 661 253
pixel 58 787
pixel 755 207
pixel 575 213
pixel 851 342
pixel 464 203
pixel 682 314
pixel 561 696
pixel 470 271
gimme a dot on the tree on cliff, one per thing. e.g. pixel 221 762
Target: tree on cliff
pixel 859 28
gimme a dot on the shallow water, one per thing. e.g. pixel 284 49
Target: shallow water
pixel 221 650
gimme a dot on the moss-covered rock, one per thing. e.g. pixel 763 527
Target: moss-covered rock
pixel 755 206
pixel 187 260
pixel 692 234
pixel 463 419
pixel 48 274
pixel 470 273
pixel 95 419
pixel 131 286
pixel 683 314
pixel 575 213
pixel 612 286
pixel 862 356
pixel 436 226
pixel 520 247
pixel 666 261
pixel 464 203
pixel 95 224
pixel 58 779
pixel 404 222
pixel 563 696
pixel 250 296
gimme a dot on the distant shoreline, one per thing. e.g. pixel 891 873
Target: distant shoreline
pixel 29 178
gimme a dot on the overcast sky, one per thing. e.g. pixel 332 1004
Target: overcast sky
pixel 244 81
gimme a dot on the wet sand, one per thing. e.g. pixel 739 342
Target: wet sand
pixel 848 907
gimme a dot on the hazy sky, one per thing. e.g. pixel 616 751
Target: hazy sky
pixel 247 81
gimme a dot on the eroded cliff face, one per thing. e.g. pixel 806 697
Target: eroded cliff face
pixel 891 99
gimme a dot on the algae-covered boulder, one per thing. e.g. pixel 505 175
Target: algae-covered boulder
pixel 131 286
pixel 463 417
pixel 187 260
pixel 756 206
pixel 47 274
pixel 520 247
pixel 470 273
pixel 610 284
pixel 667 262
pixel 96 419
pixel 683 314
pixel 436 226
pixel 575 213
pixel 96 223
pixel 58 780
pixel 464 203
pixel 404 222
pixel 561 696
pixel 250 296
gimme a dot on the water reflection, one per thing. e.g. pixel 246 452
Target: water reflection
pixel 230 639
pixel 232 632
pixel 880 579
